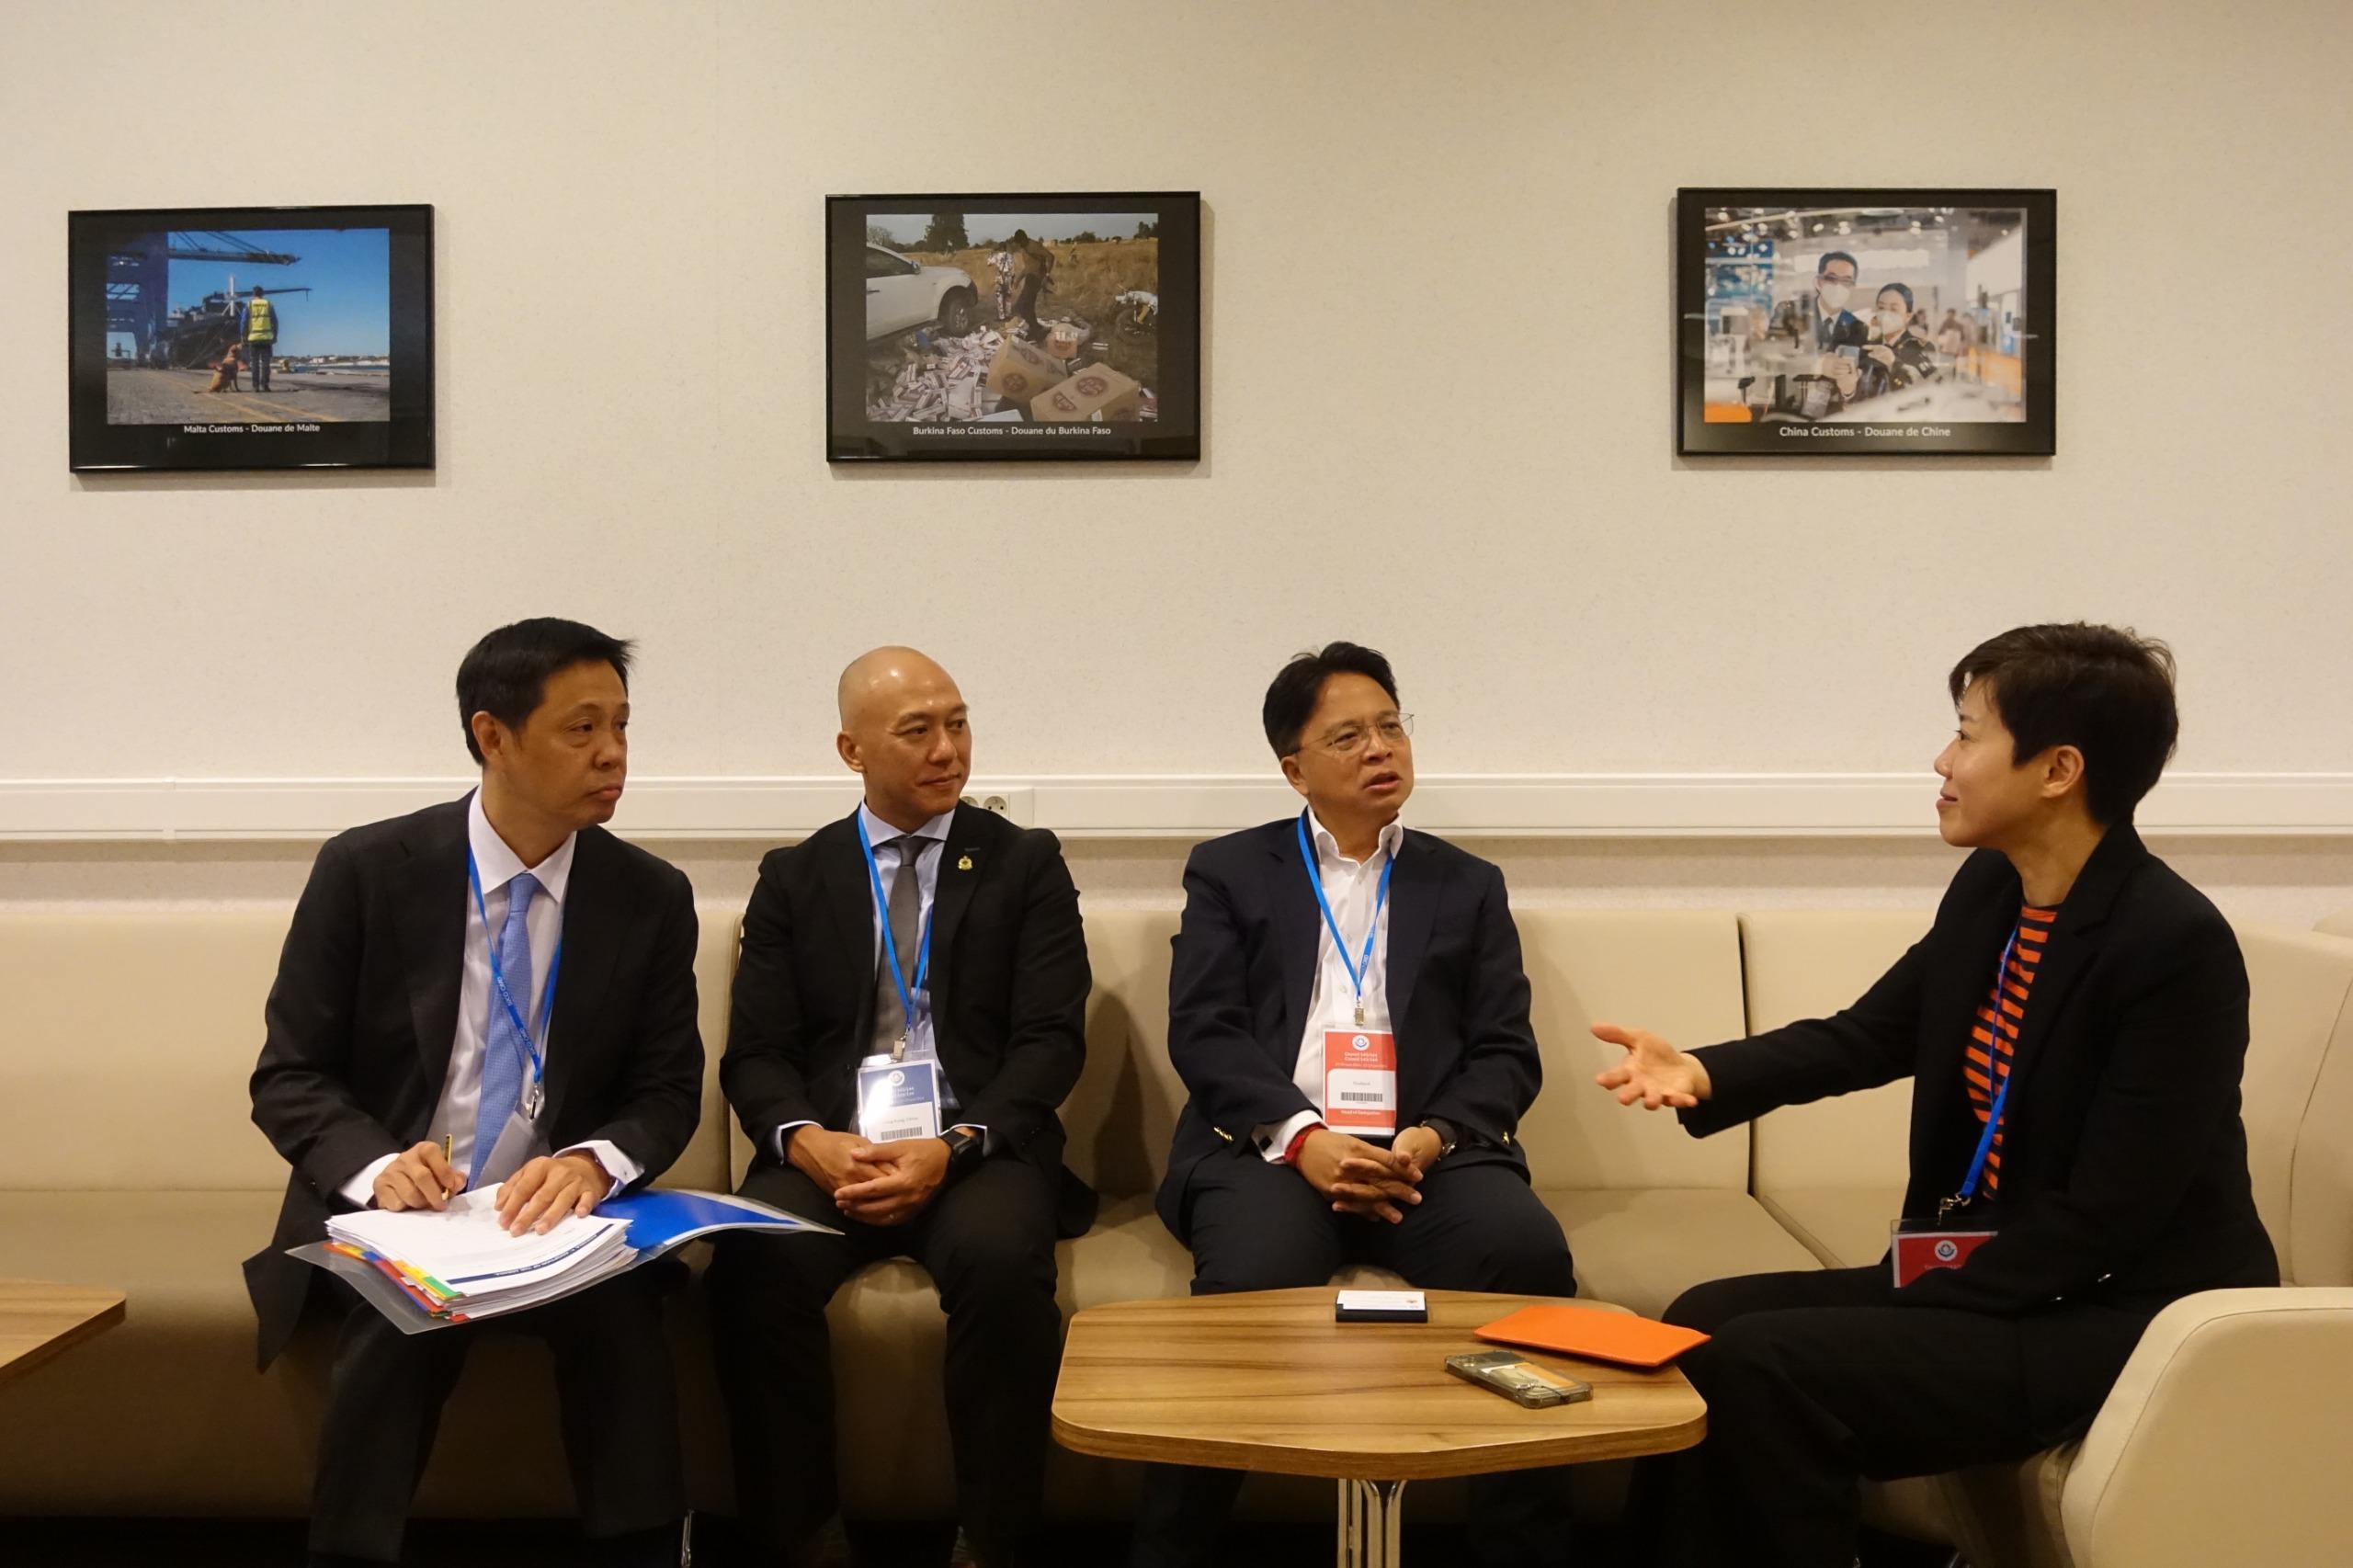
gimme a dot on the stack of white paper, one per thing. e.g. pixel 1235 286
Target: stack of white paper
pixel 425 1270
pixel 461 1263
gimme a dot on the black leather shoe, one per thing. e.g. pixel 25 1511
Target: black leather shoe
pixel 661 1546
pixel 829 1548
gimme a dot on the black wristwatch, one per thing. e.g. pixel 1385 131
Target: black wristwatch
pixel 965 1148
pixel 1448 1135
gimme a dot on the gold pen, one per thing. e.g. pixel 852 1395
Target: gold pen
pixel 449 1142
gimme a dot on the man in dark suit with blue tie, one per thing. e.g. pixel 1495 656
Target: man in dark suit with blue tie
pixel 1350 1014
pixel 909 1010
pixel 501 979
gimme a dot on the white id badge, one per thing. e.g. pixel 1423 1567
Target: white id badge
pixel 518 1144
pixel 1360 1082
pixel 897 1099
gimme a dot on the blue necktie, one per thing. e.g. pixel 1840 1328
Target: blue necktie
pixel 506 1055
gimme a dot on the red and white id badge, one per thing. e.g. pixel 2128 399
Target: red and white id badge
pixel 1360 1082
pixel 1916 1246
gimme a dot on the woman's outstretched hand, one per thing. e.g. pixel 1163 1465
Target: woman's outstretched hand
pixel 1651 1071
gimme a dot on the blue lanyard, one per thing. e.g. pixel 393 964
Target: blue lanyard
pixel 533 1047
pixel 889 943
pixel 1362 966
pixel 1992 1062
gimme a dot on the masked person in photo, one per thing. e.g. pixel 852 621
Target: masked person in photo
pixel 2075 1023
pixel 1349 1015
pixel 909 1011
pixel 500 977
pixel 1836 327
pixel 1898 348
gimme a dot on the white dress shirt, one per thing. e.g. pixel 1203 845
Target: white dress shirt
pixel 453 1116
pixel 1350 887
pixel 921 1040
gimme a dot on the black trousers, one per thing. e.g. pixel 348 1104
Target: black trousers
pixel 1025 306
pixel 1815 1382
pixel 987 1242
pixel 613 1383
pixel 1258 1226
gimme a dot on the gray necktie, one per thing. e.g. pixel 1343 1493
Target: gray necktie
pixel 906 911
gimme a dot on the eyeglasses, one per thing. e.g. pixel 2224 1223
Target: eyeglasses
pixel 1350 739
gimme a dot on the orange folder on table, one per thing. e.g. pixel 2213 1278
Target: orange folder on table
pixel 1596 1335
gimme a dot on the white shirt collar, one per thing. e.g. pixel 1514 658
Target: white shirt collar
pixel 498 865
pixel 1392 838
pixel 877 830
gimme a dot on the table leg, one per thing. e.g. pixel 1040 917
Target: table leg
pixel 1371 1513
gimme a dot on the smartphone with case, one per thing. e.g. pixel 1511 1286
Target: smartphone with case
pixel 1517 1379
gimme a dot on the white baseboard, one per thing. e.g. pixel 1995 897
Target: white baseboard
pixel 1555 805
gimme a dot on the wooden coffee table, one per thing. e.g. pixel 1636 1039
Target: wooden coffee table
pixel 1267 1381
pixel 40 1321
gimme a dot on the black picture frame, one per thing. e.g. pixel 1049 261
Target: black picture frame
pixel 943 377
pixel 1977 381
pixel 141 361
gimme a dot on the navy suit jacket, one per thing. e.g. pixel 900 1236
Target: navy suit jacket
pixel 1244 968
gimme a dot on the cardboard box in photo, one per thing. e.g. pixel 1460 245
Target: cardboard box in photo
pixel 1093 393
pixel 1022 371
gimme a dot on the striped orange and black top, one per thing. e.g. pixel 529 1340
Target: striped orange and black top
pixel 1986 1065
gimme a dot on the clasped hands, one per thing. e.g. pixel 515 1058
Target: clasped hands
pixel 535 1197
pixel 1365 1179
pixel 875 1184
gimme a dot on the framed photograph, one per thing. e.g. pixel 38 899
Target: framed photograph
pixel 1865 322
pixel 251 337
pixel 1013 327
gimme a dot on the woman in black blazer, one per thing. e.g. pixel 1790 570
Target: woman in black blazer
pixel 2080 1147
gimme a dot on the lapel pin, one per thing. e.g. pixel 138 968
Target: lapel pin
pixel 965 864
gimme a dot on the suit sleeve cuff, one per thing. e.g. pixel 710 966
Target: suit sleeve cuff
pixel 1729 1093
pixel 1274 1138
pixel 360 1190
pixel 783 1136
pixel 617 1165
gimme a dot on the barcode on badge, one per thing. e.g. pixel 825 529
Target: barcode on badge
pixel 1362 1099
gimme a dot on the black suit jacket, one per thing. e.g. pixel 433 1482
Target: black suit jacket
pixel 1844 330
pixel 1009 981
pixel 2124 1177
pixel 363 1014
pixel 1243 968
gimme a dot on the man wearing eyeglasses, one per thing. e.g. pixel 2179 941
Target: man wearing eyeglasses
pixel 1836 327
pixel 1348 1012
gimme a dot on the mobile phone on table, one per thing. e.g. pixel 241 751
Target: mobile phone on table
pixel 1517 1379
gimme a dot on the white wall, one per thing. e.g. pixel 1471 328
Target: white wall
pixel 1438 381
